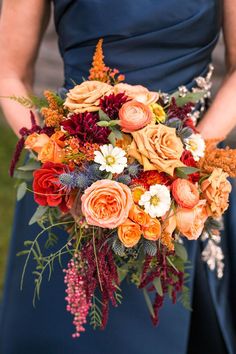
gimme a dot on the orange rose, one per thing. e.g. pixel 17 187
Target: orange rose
pixel 106 203
pixel 52 151
pixel 152 230
pixel 36 141
pixel 134 115
pixel 215 190
pixel 157 147
pixel 190 222
pixel 185 193
pixel 137 92
pixel 168 228
pixel 139 216
pixel 129 233
pixel 137 192
pixel 86 96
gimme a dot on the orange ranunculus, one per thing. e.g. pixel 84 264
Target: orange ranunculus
pixel 137 192
pixel 185 193
pixel 106 203
pixel 139 216
pixel 36 141
pixel 190 222
pixel 129 233
pixel 157 147
pixel 137 92
pixel 134 115
pixel 215 190
pixel 152 230
pixel 86 96
pixel 51 152
pixel 168 228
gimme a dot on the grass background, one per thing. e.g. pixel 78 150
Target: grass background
pixel 7 194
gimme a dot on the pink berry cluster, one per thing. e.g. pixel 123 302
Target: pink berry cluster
pixel 77 301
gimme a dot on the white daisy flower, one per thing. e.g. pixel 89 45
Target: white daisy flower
pixel 196 145
pixel 112 159
pixel 156 201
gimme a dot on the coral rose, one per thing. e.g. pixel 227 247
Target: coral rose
pixel 129 233
pixel 53 151
pixel 134 115
pixel 106 203
pixel 152 230
pixel 36 141
pixel 47 190
pixel 185 193
pixel 190 222
pixel 157 147
pixel 138 93
pixel 215 190
pixel 139 216
pixel 86 96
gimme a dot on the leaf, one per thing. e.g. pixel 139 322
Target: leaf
pixel 117 133
pixel 181 251
pixel 103 123
pixel 33 165
pixel 148 302
pixel 189 97
pixel 21 190
pixel 183 172
pixel 122 272
pixel 112 138
pixel 25 175
pixel 103 116
pixel 158 286
pixel 40 211
pixel 186 132
pixel 114 122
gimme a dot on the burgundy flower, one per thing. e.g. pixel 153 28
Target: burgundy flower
pixel 84 126
pixel 112 103
pixel 188 160
pixel 175 111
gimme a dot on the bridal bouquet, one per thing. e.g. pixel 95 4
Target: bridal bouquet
pixel 124 171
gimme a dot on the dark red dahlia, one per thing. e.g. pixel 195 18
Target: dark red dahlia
pixel 181 112
pixel 188 160
pixel 84 126
pixel 112 103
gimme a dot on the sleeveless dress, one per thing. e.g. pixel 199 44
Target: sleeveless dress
pixel 161 45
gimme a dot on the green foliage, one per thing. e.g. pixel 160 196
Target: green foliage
pixel 21 191
pixel 158 286
pixel 193 97
pixel 181 252
pixel 40 211
pixel 95 313
pixel 148 302
pixel 30 102
pixel 183 172
pixel 150 247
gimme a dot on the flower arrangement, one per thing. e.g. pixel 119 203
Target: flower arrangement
pixel 125 173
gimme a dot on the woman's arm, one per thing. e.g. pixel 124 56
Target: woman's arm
pixel 220 119
pixel 22 25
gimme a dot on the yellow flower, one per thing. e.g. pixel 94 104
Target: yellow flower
pixel 159 113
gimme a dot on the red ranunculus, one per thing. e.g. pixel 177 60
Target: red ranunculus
pixel 47 190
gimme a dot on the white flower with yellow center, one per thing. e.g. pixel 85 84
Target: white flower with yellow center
pixel 196 145
pixel 112 159
pixel 156 201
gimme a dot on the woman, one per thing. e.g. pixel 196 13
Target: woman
pixel 160 44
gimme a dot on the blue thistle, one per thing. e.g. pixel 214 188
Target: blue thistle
pixel 68 179
pixel 125 179
pixel 93 172
pixel 82 180
pixel 133 169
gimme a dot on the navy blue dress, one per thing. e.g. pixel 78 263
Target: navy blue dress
pixel 160 44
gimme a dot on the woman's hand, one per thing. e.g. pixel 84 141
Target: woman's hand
pixel 22 25
pixel 220 119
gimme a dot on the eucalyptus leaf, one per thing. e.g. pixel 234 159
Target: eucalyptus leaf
pixel 103 116
pixel 148 302
pixel 117 133
pixel 122 272
pixel 193 97
pixel 103 123
pixel 26 175
pixel 183 172
pixel 186 132
pixel 40 211
pixel 112 138
pixel 181 252
pixel 21 190
pixel 158 286
pixel 33 165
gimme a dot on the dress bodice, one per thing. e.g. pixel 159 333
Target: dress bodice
pixel 160 44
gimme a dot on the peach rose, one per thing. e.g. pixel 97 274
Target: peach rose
pixel 52 151
pixel 138 215
pixel 106 203
pixel 129 233
pixel 157 147
pixel 36 141
pixel 185 193
pixel 137 92
pixel 134 115
pixel 215 190
pixel 152 230
pixel 86 96
pixel 190 222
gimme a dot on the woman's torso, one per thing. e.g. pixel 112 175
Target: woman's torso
pixel 160 44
